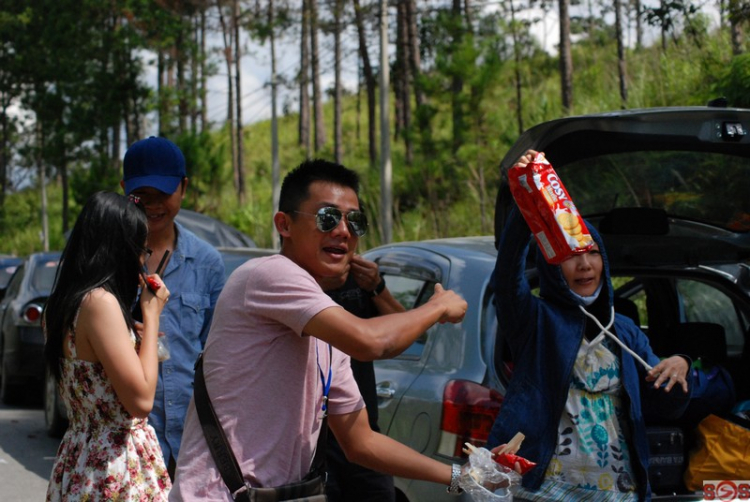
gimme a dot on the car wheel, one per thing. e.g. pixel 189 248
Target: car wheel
pixel 54 420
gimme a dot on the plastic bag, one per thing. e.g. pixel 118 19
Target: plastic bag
pixel 486 480
pixel 721 452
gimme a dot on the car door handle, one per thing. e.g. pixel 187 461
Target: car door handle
pixel 385 391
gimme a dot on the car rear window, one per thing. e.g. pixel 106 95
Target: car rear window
pixel 44 275
pixel 707 187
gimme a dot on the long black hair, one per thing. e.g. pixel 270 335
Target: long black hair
pixel 103 251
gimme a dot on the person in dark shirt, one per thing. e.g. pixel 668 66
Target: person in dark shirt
pixel 364 293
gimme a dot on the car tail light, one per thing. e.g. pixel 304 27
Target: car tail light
pixel 469 410
pixel 32 313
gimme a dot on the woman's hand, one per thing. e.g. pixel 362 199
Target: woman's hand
pixel 154 295
pixel 526 158
pixel 672 370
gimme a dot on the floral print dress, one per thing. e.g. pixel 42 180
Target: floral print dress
pixel 592 458
pixel 106 454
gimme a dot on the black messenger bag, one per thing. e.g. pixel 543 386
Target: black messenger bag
pixel 310 489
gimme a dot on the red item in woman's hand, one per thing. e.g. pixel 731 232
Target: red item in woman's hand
pixel 509 460
pixel 153 284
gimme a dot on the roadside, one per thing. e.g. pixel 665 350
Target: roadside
pixel 26 453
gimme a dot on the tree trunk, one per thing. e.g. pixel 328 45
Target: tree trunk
pixel 238 101
pixel 638 24
pixel 403 57
pixel 457 81
pixel 397 75
pixel 735 26
pixel 386 198
pixel 517 68
pixel 4 148
pixel 663 6
pixel 423 113
pixel 304 81
pixel 621 69
pixel 566 60
pixel 43 190
pixel 203 88
pixel 194 72
pixel 337 146
pixel 160 92
pixel 180 85
pixel 369 82
pixel 275 169
pixel 227 38
pixel 416 62
pixel 320 131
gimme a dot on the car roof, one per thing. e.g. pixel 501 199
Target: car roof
pixel 451 246
pixel 213 231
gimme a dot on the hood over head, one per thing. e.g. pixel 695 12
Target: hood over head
pixel 553 286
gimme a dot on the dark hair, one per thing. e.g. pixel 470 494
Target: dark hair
pixel 295 188
pixel 103 251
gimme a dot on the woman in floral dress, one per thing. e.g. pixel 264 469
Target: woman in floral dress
pixel 107 372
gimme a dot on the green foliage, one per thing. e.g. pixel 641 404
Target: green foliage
pixel 449 188
pixel 735 81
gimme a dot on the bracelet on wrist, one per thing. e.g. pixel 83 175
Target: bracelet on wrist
pixel 378 289
pixel 454 488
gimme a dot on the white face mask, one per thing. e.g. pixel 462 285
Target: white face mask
pixel 588 300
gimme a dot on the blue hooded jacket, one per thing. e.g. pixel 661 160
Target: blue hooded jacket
pixel 544 335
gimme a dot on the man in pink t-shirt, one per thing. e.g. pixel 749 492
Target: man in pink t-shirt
pixel 266 361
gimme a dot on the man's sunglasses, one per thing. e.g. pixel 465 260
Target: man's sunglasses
pixel 328 218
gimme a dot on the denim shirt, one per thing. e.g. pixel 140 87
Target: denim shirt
pixel 195 277
pixel 544 335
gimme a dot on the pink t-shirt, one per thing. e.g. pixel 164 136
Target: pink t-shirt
pixel 264 380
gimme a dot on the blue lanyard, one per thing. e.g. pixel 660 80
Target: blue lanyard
pixel 326 385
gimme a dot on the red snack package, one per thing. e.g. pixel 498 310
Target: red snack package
pixel 509 460
pixel 549 211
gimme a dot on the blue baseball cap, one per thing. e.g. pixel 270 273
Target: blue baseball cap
pixel 153 162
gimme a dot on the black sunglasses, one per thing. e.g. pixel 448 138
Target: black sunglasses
pixel 328 218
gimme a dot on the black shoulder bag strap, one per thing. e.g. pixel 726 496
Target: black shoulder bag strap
pixel 222 453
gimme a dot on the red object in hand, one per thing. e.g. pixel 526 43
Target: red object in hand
pixel 153 284
pixel 509 460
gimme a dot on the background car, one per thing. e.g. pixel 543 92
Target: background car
pixel 667 189
pixel 21 337
pixel 235 256
pixel 8 265
pixel 213 231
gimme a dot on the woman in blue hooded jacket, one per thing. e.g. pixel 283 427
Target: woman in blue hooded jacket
pixel 576 392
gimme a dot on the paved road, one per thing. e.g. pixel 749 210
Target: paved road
pixel 26 453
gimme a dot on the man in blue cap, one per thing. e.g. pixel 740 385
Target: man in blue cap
pixel 154 174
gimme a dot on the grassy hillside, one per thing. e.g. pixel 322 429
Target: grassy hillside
pixel 443 193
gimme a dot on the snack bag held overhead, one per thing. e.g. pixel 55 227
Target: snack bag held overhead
pixel 549 211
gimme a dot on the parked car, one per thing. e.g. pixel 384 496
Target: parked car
pixel 667 189
pixel 21 337
pixel 8 265
pixel 235 256
pixel 213 231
